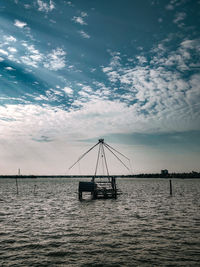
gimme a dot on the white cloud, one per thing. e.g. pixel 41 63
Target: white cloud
pixel 32 56
pixel 79 20
pixel 115 59
pixel 27 6
pixel 32 49
pixel 12 49
pixel 106 69
pixel 39 120
pixel 45 6
pixel 84 34
pixel 31 60
pixel 36 57
pixel 174 3
pixel 10 38
pixel 156 93
pixel 87 88
pixel 68 90
pixel 3 52
pixel 55 60
pixel 194 93
pixel 179 17
pixel 84 14
pixel 41 98
pixel 20 24
pixel 56 92
pixel 9 68
pixel 69 3
pixel 180 58
pixel 141 59
pixel 30 119
pixel 191 44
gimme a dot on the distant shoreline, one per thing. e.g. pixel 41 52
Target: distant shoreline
pixel 150 175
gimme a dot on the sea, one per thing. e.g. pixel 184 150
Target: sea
pixel 46 225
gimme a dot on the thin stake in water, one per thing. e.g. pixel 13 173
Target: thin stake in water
pixel 35 188
pixel 17 181
pixel 170 186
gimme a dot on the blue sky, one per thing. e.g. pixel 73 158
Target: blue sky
pixel 75 71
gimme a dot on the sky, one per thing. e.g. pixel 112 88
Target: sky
pixel 72 72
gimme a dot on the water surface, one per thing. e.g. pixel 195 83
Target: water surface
pixel 46 225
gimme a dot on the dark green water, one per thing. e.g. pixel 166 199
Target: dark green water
pixel 143 227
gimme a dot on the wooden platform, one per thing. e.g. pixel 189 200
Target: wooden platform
pixel 98 189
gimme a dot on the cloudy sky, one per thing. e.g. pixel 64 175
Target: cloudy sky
pixel 72 72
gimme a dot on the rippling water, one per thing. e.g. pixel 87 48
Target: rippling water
pixel 143 227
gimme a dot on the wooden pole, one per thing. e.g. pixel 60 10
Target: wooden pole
pixel 170 186
pixel 19 173
pixel 35 188
pixel 80 196
pixel 17 186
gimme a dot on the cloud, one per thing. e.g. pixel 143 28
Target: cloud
pixel 84 34
pixel 9 38
pixel 155 92
pixel 32 56
pixel 2 51
pixel 9 68
pixel 45 6
pixel 153 101
pixel 84 14
pixel 29 55
pixel 179 17
pixel 42 138
pixel 55 60
pixel 31 60
pixel 12 49
pixel 27 6
pixel 20 24
pixel 193 94
pixel 181 58
pixel 68 90
pixel 174 3
pixel 191 44
pixel 169 7
pixel 69 3
pixel 35 120
pixel 79 20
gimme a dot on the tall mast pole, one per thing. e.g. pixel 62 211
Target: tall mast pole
pixel 97 161
pixel 105 159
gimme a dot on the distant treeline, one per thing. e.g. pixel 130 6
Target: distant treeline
pixel 169 175
pixel 142 175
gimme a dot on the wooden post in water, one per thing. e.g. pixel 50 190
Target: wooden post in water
pixel 35 188
pixel 17 186
pixel 17 181
pixel 170 186
pixel 80 196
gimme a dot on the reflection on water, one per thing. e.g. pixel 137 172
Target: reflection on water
pixel 45 225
